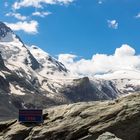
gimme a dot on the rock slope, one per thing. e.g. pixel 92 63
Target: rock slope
pixel 81 121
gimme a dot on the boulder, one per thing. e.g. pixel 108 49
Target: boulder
pixel 108 136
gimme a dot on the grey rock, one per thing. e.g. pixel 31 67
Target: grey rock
pixel 108 136
pixel 83 121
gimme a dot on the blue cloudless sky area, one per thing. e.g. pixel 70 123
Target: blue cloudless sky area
pixel 81 27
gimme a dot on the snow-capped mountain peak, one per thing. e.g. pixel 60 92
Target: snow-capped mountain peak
pixel 4 30
pixel 17 55
pixel 51 66
pixel 13 49
pixel 7 35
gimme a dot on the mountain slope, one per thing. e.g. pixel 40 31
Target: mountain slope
pixel 126 81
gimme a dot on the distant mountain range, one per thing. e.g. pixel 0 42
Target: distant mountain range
pixel 31 78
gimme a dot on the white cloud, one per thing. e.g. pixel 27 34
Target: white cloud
pixel 67 58
pixel 100 1
pixel 125 50
pixel 17 16
pixel 28 27
pixel 112 24
pixel 41 14
pixel 38 3
pixel 123 58
pixel 138 15
pixel 31 26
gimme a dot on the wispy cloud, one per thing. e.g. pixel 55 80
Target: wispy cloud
pixel 113 24
pixel 6 4
pixel 38 3
pixel 138 15
pixel 16 15
pixel 23 22
pixel 28 27
pixel 123 58
pixel 41 14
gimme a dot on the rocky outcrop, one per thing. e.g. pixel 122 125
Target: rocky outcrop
pixel 85 89
pixel 1 62
pixel 82 121
pixel 2 65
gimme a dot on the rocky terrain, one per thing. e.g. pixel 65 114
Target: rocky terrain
pixel 107 120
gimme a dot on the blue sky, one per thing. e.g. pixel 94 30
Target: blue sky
pixel 80 27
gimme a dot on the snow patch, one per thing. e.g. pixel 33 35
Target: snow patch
pixel 16 90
